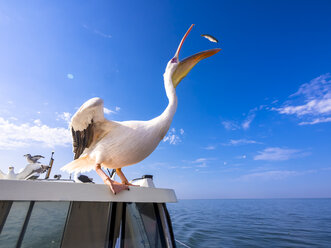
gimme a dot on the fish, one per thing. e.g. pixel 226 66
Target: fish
pixel 210 38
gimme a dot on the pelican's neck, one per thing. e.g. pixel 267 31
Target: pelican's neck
pixel 165 119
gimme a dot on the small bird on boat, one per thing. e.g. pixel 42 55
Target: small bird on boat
pixel 33 159
pixel 98 142
pixel 210 38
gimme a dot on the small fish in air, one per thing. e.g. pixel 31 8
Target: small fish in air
pixel 210 38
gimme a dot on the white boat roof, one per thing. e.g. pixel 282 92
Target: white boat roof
pixel 35 190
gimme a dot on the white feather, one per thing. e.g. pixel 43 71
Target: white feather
pixel 91 109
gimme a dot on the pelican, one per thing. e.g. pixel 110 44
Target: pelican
pixel 100 143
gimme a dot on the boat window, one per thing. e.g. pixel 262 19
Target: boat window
pixel 116 225
pixel 87 225
pixel 4 211
pixel 165 225
pixel 11 230
pixel 46 224
pixel 141 226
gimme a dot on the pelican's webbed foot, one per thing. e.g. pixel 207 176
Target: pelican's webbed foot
pixel 115 187
pixel 123 178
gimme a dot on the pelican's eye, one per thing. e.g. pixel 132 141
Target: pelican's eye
pixel 174 60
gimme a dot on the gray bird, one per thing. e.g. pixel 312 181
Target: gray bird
pixel 33 159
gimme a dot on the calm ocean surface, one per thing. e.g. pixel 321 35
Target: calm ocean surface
pixel 252 223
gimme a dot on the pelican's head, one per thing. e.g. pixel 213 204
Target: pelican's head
pixel 27 155
pixel 179 69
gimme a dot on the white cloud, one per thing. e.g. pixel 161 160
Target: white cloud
pixel 13 136
pixel 37 122
pixel 245 124
pixel 199 160
pixel 233 142
pixel 250 117
pixel 181 131
pixel 108 111
pixel 66 116
pixel 98 32
pixel 316 88
pixel 172 136
pixel 273 175
pixel 315 98
pixel 209 148
pixel 312 107
pixel 269 175
pixel 70 76
pixel 315 121
pixel 278 154
pixel 230 125
pixel 202 165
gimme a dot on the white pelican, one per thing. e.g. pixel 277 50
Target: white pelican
pixel 98 142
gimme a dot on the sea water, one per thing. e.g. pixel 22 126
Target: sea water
pixel 252 223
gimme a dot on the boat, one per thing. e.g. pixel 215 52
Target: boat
pixel 64 213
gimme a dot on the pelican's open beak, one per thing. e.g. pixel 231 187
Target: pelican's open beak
pixel 187 64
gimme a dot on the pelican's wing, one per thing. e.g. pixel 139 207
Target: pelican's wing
pixel 82 124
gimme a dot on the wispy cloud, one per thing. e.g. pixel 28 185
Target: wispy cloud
pixel 70 76
pixel 279 154
pixel 250 117
pixel 202 165
pixel 230 125
pixel 241 157
pixel 268 175
pixel 172 137
pixel 37 122
pixel 65 116
pixel 245 124
pixel 108 111
pixel 316 121
pixel 200 162
pixel 98 32
pixel 315 98
pixel 238 142
pixel 273 175
pixel 13 136
pixel 209 148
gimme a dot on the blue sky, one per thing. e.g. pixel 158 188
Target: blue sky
pixel 253 121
